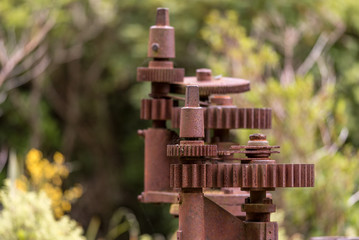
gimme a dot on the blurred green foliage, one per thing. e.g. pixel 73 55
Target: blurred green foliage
pixel 67 83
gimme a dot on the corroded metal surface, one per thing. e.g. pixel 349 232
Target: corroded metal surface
pixel 156 109
pixel 230 118
pixel 191 150
pixel 204 74
pixel 161 43
pixel 221 85
pixel 266 176
pixel 192 121
pixel 221 100
pixel 201 218
pixel 165 75
pixel 216 193
pixel 261 230
pixel 158 197
pixel 156 161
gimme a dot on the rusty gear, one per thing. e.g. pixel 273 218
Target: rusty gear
pixel 263 176
pixel 191 150
pixel 222 85
pixel 231 118
pixel 163 75
pixel 194 165
pixel 156 109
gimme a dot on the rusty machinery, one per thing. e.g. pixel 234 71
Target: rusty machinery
pixel 216 193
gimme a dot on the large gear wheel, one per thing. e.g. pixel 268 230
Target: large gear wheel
pixel 222 85
pixel 231 118
pixel 262 176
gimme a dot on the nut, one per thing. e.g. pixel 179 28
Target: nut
pixel 204 74
pixel 257 137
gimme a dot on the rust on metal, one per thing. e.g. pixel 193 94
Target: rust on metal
pixel 192 118
pixel 222 85
pixel 191 150
pixel 204 74
pixel 265 176
pixel 157 163
pixel 230 118
pixel 215 193
pixel 221 100
pixel 156 109
pixel 161 42
pixel 156 74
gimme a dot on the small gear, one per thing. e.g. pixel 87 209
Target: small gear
pixel 163 75
pixel 156 109
pixel 191 150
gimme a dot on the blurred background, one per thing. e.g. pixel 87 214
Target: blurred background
pixel 68 89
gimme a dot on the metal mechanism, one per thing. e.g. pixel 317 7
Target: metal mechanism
pixel 217 188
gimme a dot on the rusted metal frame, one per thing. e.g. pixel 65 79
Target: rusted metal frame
pixel 202 165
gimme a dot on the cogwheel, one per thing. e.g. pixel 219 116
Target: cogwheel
pixel 191 150
pixel 156 109
pixel 164 75
pixel 248 176
pixel 222 85
pixel 231 118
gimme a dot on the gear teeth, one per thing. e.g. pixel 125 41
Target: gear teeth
pixel 156 109
pixel 191 150
pixel 231 118
pixel 163 75
pixel 223 85
pixel 265 176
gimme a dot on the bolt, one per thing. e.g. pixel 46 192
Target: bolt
pixel 204 74
pixel 155 47
pixel 141 133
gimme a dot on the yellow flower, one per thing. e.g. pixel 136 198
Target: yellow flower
pixel 49 171
pixel 57 181
pixel 21 185
pixel 73 193
pixel 58 212
pixel 66 206
pixel 33 156
pixel 78 190
pixel 63 171
pixel 59 158
pixel 47 176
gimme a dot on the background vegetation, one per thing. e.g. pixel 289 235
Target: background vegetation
pixel 67 83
